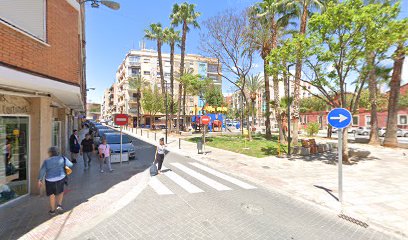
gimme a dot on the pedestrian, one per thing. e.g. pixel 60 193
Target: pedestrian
pixel 53 170
pixel 104 155
pixel 74 146
pixel 160 151
pixel 87 148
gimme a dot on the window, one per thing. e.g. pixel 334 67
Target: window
pixel 367 120
pixel 146 72
pixel 135 71
pixel 167 74
pixel 14 137
pixel 146 60
pixel 402 119
pixel 56 134
pixel 355 120
pixel 28 16
pixel 134 59
pixel 212 68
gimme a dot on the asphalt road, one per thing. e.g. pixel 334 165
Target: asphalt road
pixel 192 201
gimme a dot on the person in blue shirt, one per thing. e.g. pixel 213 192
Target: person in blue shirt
pixel 53 171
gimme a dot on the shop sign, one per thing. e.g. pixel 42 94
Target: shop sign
pixel 14 105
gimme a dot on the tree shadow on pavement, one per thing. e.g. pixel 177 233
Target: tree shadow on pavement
pixel 331 157
pixel 328 191
pixel 19 217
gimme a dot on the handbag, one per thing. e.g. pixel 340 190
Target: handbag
pixel 67 171
pixel 153 170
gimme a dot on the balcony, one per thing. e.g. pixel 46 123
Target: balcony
pixel 137 64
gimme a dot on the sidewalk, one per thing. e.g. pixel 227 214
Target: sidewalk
pixel 89 198
pixel 375 190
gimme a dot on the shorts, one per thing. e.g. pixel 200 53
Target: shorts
pixel 54 188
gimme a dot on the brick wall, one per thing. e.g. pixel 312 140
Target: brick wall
pixel 61 59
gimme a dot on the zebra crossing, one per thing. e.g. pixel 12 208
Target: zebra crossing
pixel 212 180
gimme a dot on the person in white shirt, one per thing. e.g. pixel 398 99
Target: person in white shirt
pixel 104 156
pixel 160 151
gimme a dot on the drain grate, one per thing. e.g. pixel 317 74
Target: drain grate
pixel 353 220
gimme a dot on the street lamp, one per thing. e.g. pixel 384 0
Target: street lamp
pixel 89 89
pixel 95 4
pixel 289 102
pixel 165 99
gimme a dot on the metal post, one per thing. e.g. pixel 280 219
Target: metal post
pixel 120 144
pixel 166 114
pixel 147 134
pixel 141 132
pixel 340 148
pixel 154 136
pixel 179 143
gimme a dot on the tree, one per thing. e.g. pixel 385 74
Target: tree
pixel 152 101
pixel 185 15
pixel 226 40
pixel 172 37
pixel 305 7
pixel 312 104
pixel 213 95
pixel 390 139
pixel 156 33
pixel 137 82
pixel 254 85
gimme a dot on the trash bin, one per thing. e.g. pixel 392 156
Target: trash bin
pixel 200 146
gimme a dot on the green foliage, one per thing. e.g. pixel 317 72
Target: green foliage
pixel 312 128
pixel 152 101
pixel 382 100
pixel 137 82
pixel 155 32
pixel 403 101
pixel 213 95
pixel 184 13
pixel 312 104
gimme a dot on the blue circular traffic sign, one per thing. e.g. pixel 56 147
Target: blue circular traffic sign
pixel 339 118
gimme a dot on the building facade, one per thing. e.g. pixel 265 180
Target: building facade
pixel 42 87
pixel 145 63
pixel 93 111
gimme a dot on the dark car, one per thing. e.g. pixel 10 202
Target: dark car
pixel 113 139
pixel 100 134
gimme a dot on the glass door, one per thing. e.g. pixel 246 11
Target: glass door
pixel 14 137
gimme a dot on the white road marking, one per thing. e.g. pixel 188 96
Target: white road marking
pixel 186 185
pixel 223 176
pixel 214 184
pixel 159 187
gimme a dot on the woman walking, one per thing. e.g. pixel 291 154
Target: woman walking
pixel 104 155
pixel 160 151
pixel 53 170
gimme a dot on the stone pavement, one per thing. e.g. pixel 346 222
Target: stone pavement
pixel 192 201
pixel 89 198
pixel 375 189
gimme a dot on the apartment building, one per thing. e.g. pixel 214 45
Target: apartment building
pixel 42 87
pixel 109 103
pixel 145 63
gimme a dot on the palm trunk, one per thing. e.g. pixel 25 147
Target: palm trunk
pixel 184 107
pixel 390 139
pixel 372 86
pixel 253 113
pixel 267 102
pixel 138 108
pixel 171 84
pixel 183 52
pixel 298 74
pixel 159 45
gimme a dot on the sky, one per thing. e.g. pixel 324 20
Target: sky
pixel 111 34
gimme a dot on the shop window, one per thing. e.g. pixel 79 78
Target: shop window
pixel 13 157
pixel 367 120
pixel 146 72
pixel 355 121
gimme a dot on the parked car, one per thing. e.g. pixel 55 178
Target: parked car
pixel 400 132
pixel 363 131
pixel 113 139
pixel 349 130
pixel 100 133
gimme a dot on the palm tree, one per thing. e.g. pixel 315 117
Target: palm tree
pixel 137 82
pixel 156 33
pixel 390 139
pixel 172 37
pixel 273 19
pixel 305 7
pixel 185 15
pixel 254 85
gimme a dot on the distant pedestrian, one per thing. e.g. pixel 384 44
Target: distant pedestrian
pixel 53 170
pixel 87 148
pixel 74 146
pixel 104 155
pixel 160 151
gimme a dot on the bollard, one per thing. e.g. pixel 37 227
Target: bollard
pixel 147 134
pixel 179 143
pixel 154 136
pixel 141 132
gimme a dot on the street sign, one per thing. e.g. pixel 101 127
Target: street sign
pixel 205 120
pixel 339 118
pixel 121 119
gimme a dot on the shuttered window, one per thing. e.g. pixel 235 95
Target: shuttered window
pixel 26 15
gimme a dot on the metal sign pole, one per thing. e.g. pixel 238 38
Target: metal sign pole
pixel 120 144
pixel 340 137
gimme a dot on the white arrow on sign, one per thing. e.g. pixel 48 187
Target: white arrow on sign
pixel 341 118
